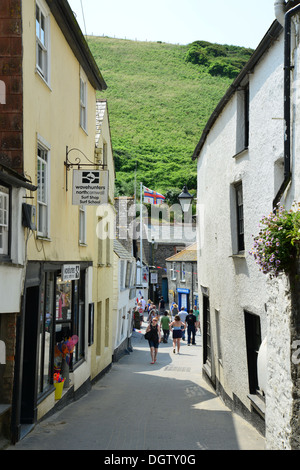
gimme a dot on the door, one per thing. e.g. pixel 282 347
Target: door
pixel 29 369
pixel 165 289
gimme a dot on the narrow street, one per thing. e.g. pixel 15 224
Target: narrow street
pixel 138 406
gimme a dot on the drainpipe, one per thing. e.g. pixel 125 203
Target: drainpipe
pixel 279 11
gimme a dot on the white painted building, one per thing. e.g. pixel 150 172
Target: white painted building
pixel 124 298
pixel 242 173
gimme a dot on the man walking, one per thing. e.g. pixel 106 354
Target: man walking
pixel 183 315
pixel 190 321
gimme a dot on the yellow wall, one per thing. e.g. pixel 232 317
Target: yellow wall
pixel 52 111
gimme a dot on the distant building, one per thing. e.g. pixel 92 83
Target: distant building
pixel 182 277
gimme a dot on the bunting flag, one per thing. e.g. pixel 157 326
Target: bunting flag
pixel 152 197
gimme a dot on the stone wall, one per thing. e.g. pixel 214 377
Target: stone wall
pixel 279 382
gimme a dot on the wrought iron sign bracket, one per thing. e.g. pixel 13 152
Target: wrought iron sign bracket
pixel 68 164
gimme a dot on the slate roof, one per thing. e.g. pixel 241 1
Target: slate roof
pixel 120 251
pixel 188 254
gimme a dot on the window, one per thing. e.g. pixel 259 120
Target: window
pixel 104 154
pixel 70 313
pixel 206 331
pixel 4 220
pixel 82 225
pixel 83 104
pixel 242 136
pixel 173 271
pixel 106 323
pixel 182 278
pixel 43 192
pixel 240 217
pixel 253 342
pixel 128 274
pixel 41 23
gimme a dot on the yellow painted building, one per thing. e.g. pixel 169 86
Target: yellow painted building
pixel 68 285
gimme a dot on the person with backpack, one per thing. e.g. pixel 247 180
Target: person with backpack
pixel 161 306
pixel 165 322
pixel 190 321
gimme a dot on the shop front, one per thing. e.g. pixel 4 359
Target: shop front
pixel 50 337
pixel 183 298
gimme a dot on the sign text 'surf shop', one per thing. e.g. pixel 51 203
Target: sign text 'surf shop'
pixel 90 187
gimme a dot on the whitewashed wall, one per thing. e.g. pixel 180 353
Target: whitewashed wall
pixel 235 283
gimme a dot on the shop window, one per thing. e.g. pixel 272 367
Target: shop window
pixel 70 317
pixel 46 332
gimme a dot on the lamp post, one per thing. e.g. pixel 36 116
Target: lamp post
pixel 185 199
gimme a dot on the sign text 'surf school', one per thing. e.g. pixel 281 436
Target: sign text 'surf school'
pixel 2 92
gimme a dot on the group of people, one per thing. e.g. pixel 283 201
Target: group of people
pixel 160 324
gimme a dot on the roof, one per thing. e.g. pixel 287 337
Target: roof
pixel 120 251
pixel 270 37
pixel 67 22
pixel 188 254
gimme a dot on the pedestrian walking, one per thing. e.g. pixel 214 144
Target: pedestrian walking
pixel 165 322
pixel 174 310
pixel 161 306
pixel 141 312
pixel 182 314
pixel 154 338
pixel 196 313
pixel 178 327
pixel 152 312
pixel 190 321
pixel 143 302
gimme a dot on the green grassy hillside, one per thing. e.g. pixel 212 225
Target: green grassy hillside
pixel 159 102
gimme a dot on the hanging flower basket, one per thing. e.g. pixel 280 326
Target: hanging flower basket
pixel 276 246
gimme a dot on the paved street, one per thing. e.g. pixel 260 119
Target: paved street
pixel 140 406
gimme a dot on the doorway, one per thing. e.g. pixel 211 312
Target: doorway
pixel 28 413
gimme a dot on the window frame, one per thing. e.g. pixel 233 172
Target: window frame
pixel 7 195
pixel 42 43
pixel 83 103
pixel 82 225
pixel 243 118
pixel 182 272
pixel 43 147
pixel 240 230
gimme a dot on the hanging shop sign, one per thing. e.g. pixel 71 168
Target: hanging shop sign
pixel 153 278
pixel 70 272
pixel 90 187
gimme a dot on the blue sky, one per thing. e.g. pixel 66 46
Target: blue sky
pixel 236 22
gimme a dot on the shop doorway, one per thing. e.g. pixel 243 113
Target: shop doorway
pixel 28 413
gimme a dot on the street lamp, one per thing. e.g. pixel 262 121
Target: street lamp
pixel 185 199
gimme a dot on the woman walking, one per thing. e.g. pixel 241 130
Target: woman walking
pixel 154 339
pixel 176 326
